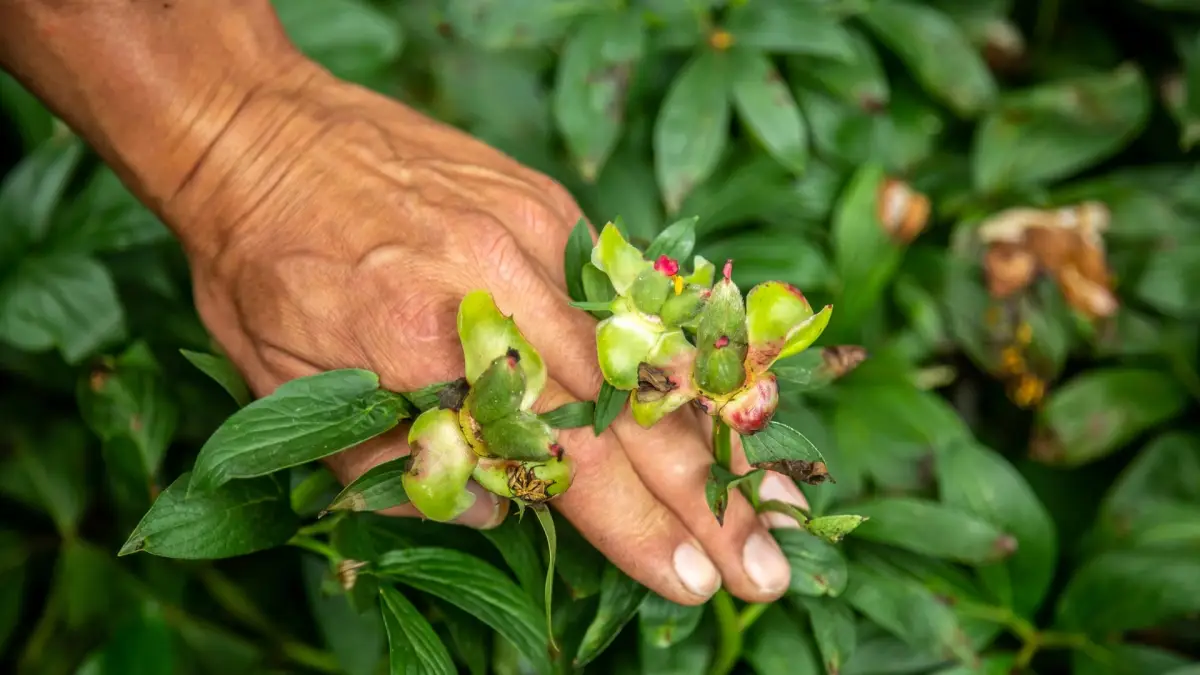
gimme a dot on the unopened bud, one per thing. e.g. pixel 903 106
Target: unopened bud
pixel 683 309
pixel 520 436
pixel 724 314
pixel 442 461
pixel 650 290
pixel 720 366
pixel 749 411
pixel 499 390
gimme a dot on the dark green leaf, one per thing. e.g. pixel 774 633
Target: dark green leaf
pixel 350 38
pixel 428 397
pixel 470 639
pixel 937 52
pixel 593 76
pixel 580 565
pixel 107 217
pixel 620 597
pixel 859 80
pixel 908 610
pixel 692 128
pixel 781 448
pixel 832 623
pixel 546 520
pixel 817 566
pixel 414 649
pixel 223 371
pixel 598 289
pixel 142 645
pixel 33 121
pixel 720 482
pixel 1056 129
pixel 609 404
pixel 592 306
pixel 664 623
pixel 865 255
pixel 1099 411
pixel 356 638
pixel 1129 590
pixel 789 27
pixel 688 657
pixel 313 487
pixel 49 472
pixel 517 547
pixel 31 191
pixel 477 588
pixel 63 301
pixel 1128 659
pixel 1172 272
pixel 767 108
pixel 236 519
pixel 577 254
pixel 303 420
pixel 570 415
pixel 494 26
pixel 933 529
pixel 977 479
pixel 778 645
pixel 676 241
pixel 378 489
pixel 13 559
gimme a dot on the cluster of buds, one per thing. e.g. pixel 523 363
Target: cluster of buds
pixel 674 339
pixel 1065 243
pixel 483 426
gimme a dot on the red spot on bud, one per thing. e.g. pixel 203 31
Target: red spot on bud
pixel 557 450
pixel 722 342
pixel 727 271
pixel 666 266
pixel 513 357
pixel 796 292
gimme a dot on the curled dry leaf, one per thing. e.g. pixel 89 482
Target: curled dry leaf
pixel 903 211
pixel 812 473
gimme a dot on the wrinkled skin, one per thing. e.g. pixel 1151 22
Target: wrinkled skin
pixel 329 227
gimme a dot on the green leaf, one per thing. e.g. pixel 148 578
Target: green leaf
pixel 580 565
pixel 620 597
pixel 517 547
pixel 688 657
pixel 597 287
pixel 428 397
pixel 1130 590
pixel 592 82
pixel 866 257
pixel 477 588
pixel 817 566
pixel 356 638
pixel 832 622
pixel 933 529
pixel 781 448
pixel 570 415
pixel 676 241
pixel 1128 659
pixel 778 645
pixel 352 39
pixel 32 120
pixel 577 254
pixel 937 52
pixel 13 568
pixel 663 623
pixel 692 128
pixel 720 482
pixel 859 80
pixel 303 420
pixel 1170 278
pixel 609 404
pixel 1182 96
pixel 49 472
pixel 1056 129
pixel 978 480
pixel 236 519
pixel 141 645
pixel 546 520
pixel 223 371
pixel 767 108
pixel 31 191
pixel 1101 410
pixel 65 301
pixel 908 610
pixel 494 26
pixel 1153 503
pixel 470 638
pixel 378 489
pixel 788 27
pixel 413 647
pixel 594 307
pixel 106 218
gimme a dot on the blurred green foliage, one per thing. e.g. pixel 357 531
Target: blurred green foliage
pixel 1033 420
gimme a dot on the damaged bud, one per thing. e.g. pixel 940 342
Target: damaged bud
pixel 442 461
pixel 499 390
pixel 522 435
pixel 526 481
pixel 453 395
pixel 750 410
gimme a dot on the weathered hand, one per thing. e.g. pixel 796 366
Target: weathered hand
pixel 335 228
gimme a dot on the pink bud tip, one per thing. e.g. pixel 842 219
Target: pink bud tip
pixel 557 450
pixel 721 342
pixel 666 266
pixel 728 270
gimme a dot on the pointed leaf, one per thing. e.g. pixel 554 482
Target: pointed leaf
pixel 676 241
pixel 413 647
pixel 620 597
pixel 933 529
pixel 223 371
pixel 778 645
pixel 783 449
pixel 818 568
pixel 766 107
pixel 692 128
pixel 664 623
pixel 788 27
pixel 570 415
pixel 577 254
pixel 379 488
pixel 832 622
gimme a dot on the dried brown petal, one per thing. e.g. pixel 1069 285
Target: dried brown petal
pixel 841 359
pixel 1008 268
pixel 903 211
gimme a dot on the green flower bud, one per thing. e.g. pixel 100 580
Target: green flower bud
pixel 683 308
pixel 486 335
pixel 520 436
pixel 702 274
pixel 834 528
pixel 664 380
pixel 749 410
pixel 499 390
pixel 442 461
pixel 724 316
pixel 650 290
pixel 720 367
pixel 780 323
pixel 530 482
pixel 623 341
pixel 619 259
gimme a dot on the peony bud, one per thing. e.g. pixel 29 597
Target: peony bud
pixel 664 380
pixel 623 341
pixel 683 309
pixel 650 290
pixel 442 461
pixel 720 367
pixel 724 315
pixel 751 409
pixel 486 335
pixel 520 436
pixel 499 390
pixel 530 482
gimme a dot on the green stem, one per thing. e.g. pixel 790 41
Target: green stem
pixel 729 634
pixel 752 613
pixel 722 445
pixel 315 546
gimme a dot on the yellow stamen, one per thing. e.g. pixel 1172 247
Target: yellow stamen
pixel 678 284
pixel 1024 334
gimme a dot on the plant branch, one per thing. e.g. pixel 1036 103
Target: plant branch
pixel 722 444
pixel 729 634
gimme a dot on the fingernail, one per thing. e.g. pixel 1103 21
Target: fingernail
pixel 696 571
pixel 765 564
pixel 781 488
pixel 487 512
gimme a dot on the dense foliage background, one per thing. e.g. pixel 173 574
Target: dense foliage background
pixel 1052 420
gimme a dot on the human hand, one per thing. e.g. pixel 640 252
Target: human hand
pixel 329 227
